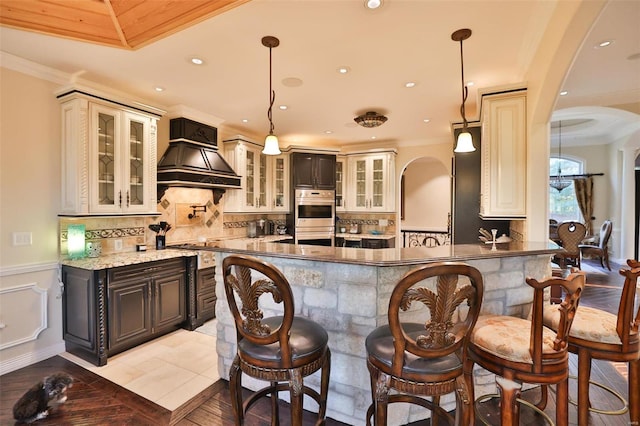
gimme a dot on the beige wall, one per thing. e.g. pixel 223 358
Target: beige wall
pixel 427 195
pixel 29 202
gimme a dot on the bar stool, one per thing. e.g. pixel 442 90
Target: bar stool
pixel 520 350
pixel 426 358
pixel 597 334
pixel 276 349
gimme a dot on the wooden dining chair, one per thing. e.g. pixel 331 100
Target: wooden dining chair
pixel 601 248
pixel 409 360
pixel 571 235
pixel 597 334
pixel 277 349
pixel 523 350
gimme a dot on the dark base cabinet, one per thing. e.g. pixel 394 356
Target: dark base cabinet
pixel 108 311
pixel 368 243
pixel 205 295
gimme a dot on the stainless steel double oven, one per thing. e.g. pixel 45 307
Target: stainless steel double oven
pixel 314 216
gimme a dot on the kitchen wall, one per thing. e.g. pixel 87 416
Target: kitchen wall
pixel 30 304
pixel 427 195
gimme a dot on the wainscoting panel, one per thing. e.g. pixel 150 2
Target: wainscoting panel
pixel 23 314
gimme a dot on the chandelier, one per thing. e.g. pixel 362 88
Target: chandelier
pixel 558 182
pixel 370 119
pixel 465 141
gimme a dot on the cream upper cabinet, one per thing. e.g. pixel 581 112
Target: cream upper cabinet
pixel 341 182
pixel 108 158
pixel 370 184
pixel 504 155
pixel 264 178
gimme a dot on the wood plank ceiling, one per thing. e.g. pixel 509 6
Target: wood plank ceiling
pixel 127 24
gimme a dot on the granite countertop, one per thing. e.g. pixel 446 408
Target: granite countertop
pixel 386 257
pixel 126 258
pixel 358 237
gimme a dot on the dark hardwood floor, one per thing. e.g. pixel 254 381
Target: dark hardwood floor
pixel 97 401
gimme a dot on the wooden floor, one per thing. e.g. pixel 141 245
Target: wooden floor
pixel 96 401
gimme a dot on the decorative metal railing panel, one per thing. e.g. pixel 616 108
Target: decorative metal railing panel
pixel 412 238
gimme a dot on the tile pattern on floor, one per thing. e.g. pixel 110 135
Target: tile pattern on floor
pixel 169 370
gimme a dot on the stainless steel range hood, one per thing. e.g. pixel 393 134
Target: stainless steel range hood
pixel 192 160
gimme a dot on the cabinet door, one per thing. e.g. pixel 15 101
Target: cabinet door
pixel 130 320
pixel 303 170
pixel 325 171
pixel 135 163
pixel 360 178
pixel 79 311
pixel 503 178
pixel 105 172
pixel 280 179
pixel 169 300
pixel 340 184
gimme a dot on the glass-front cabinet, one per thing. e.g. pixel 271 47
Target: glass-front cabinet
pixel 341 181
pixel 371 181
pixel 265 179
pixel 108 157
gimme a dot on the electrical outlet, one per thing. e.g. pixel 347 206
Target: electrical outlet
pixel 383 222
pixel 117 245
pixel 22 239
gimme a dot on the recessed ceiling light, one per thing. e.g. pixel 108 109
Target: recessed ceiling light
pixel 283 107
pixel 159 89
pixel 343 70
pixel 426 120
pixel 603 43
pixel 633 57
pixel 244 120
pixel 373 137
pixel 292 82
pixel 372 4
pixel 564 93
pixel 470 83
pixel 410 84
pixel 328 132
pixel 197 61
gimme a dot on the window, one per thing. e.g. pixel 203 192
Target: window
pixel 563 205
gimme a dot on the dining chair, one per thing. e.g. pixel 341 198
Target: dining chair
pixel 571 235
pixel 279 349
pixel 521 350
pixel 407 359
pixel 597 334
pixel 601 248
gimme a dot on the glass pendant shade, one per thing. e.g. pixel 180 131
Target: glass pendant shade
pixel 271 145
pixel 465 142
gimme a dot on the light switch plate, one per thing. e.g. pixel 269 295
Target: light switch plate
pixel 22 238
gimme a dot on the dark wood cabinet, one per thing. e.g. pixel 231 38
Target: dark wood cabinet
pixel 313 171
pixel 205 295
pixel 368 243
pixel 108 311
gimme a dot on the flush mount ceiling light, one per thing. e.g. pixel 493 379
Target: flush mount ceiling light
pixel 370 119
pixel 558 182
pixel 465 141
pixel 271 141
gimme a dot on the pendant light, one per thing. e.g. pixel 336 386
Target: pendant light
pixel 465 141
pixel 271 141
pixel 558 182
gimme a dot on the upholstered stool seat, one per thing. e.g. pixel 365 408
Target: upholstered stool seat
pixel 509 338
pixel 409 361
pixel 280 349
pixel 588 324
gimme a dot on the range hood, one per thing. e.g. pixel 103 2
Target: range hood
pixel 192 160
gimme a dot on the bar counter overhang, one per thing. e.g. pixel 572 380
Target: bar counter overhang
pixel 347 291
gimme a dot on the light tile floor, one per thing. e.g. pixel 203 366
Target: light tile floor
pixel 169 370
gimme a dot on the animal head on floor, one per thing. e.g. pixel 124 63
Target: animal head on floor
pixel 36 403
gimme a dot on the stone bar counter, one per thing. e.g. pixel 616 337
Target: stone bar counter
pixel 347 291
